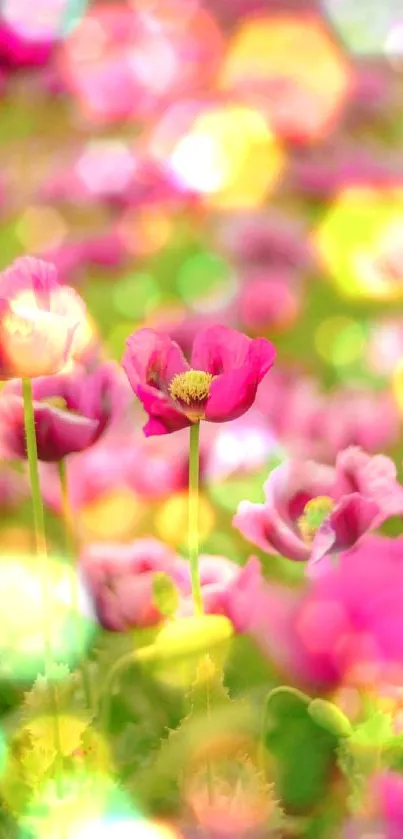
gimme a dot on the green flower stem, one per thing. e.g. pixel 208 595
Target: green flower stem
pixel 142 655
pixel 41 548
pixel 71 549
pixel 194 517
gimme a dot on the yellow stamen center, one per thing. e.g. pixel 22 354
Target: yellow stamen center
pixel 56 402
pixel 315 512
pixel 191 389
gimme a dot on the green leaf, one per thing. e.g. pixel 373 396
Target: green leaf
pixel 330 717
pixel 303 751
pixel 165 594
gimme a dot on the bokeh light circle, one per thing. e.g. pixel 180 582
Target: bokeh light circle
pixel 25 585
pixel 224 151
pixel 42 20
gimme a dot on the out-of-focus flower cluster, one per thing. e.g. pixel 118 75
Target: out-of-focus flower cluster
pixel 183 171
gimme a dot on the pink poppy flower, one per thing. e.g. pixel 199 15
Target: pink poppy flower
pixel 313 511
pixel 343 625
pixel 220 384
pixel 71 411
pixel 93 473
pixel 266 241
pixel 217 573
pixel 42 324
pixel 268 300
pixel 312 424
pixel 383 816
pixel 119 578
pixel 14 488
pixel 321 174
pixel 355 416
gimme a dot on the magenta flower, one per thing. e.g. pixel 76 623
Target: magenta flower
pixel 381 814
pixel 71 411
pixel 217 574
pixel 119 578
pixel 343 626
pixel 267 241
pixel 268 300
pixel 42 324
pixel 220 384
pixel 312 511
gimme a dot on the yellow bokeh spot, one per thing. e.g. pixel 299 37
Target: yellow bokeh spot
pixel 172 519
pixel 360 241
pixel 114 516
pixel 40 227
pixel 397 385
pixel 230 156
pixel 302 74
pixel 146 231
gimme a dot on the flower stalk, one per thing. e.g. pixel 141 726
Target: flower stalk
pixel 41 549
pixel 71 550
pixel 193 536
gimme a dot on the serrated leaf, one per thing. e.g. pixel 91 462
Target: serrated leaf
pixel 165 594
pixel 70 731
pixel 64 690
pixel 303 751
pixel 207 689
pixel 374 732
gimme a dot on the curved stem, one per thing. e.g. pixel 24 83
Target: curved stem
pixel 71 550
pixel 41 549
pixel 193 539
pixel 141 655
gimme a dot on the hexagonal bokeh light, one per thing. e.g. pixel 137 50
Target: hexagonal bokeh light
pixel 43 20
pixel 365 28
pixel 289 66
pixel 225 151
pixel 123 61
pixel 360 240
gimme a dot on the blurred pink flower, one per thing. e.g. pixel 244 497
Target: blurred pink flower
pixel 40 321
pixel 360 417
pixel 389 791
pixel 342 624
pixel 384 801
pixel 14 488
pixel 217 573
pixel 120 578
pixel 312 510
pixel 313 424
pixel 17 51
pixel 269 241
pixel 373 94
pixel 220 384
pixel 268 300
pixel 143 61
pixel 71 411
pixel 321 173
pixel 92 473
pixel 71 259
